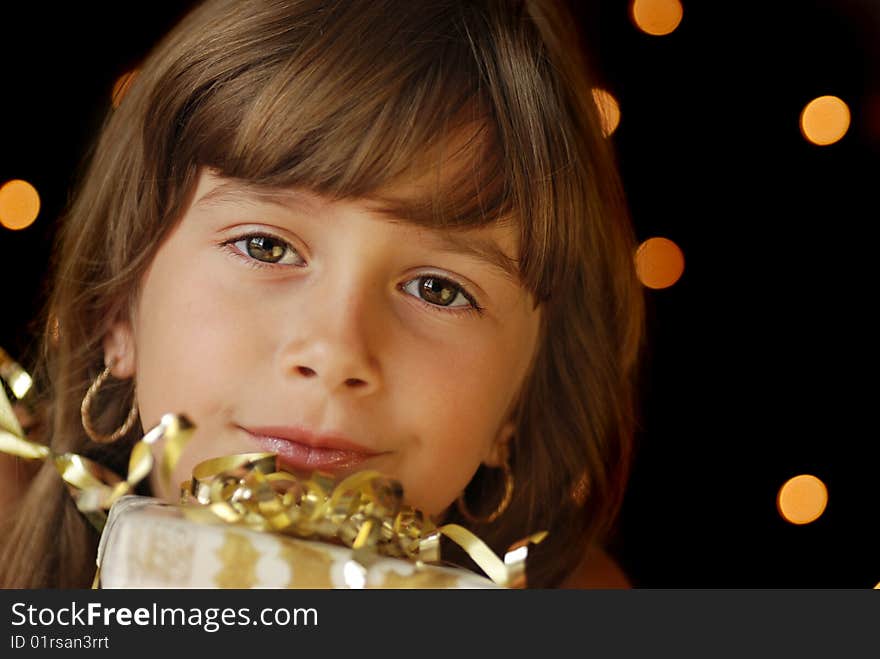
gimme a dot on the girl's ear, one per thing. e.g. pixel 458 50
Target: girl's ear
pixel 119 344
pixel 498 450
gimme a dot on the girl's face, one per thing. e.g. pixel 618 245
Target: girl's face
pixel 331 335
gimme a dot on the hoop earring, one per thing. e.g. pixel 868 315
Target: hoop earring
pixel 501 507
pixel 85 411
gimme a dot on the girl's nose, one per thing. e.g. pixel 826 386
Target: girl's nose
pixel 334 367
pixel 330 347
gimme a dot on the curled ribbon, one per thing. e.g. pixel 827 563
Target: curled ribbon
pixel 95 488
pixel 19 380
pixel 364 511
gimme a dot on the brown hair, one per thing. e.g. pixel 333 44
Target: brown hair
pixel 346 97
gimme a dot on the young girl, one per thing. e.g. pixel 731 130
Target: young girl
pixel 360 234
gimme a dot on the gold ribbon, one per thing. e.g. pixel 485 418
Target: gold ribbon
pixel 19 380
pixel 93 487
pixel 9 424
pixel 364 511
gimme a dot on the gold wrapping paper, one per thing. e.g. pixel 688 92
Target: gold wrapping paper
pixel 150 544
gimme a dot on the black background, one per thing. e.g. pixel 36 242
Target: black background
pixel 760 359
pixel 687 623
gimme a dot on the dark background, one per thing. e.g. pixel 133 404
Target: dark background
pixel 760 362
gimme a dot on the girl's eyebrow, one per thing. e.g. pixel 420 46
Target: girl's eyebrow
pixel 485 250
pixel 241 190
pixel 478 248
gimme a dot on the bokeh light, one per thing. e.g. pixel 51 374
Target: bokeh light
pixel 121 87
pixel 609 110
pixel 825 120
pixel 659 263
pixel 19 204
pixel 656 17
pixel 802 499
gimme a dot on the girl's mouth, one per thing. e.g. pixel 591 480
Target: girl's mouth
pixel 296 449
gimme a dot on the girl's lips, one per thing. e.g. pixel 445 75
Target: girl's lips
pixel 302 456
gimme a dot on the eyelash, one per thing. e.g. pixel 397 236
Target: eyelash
pixel 256 264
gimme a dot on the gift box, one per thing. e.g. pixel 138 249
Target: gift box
pixel 147 543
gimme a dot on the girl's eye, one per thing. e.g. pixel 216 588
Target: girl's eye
pixel 440 292
pixel 266 249
pixel 260 250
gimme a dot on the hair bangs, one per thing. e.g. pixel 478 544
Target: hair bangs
pixel 391 112
pixel 420 112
